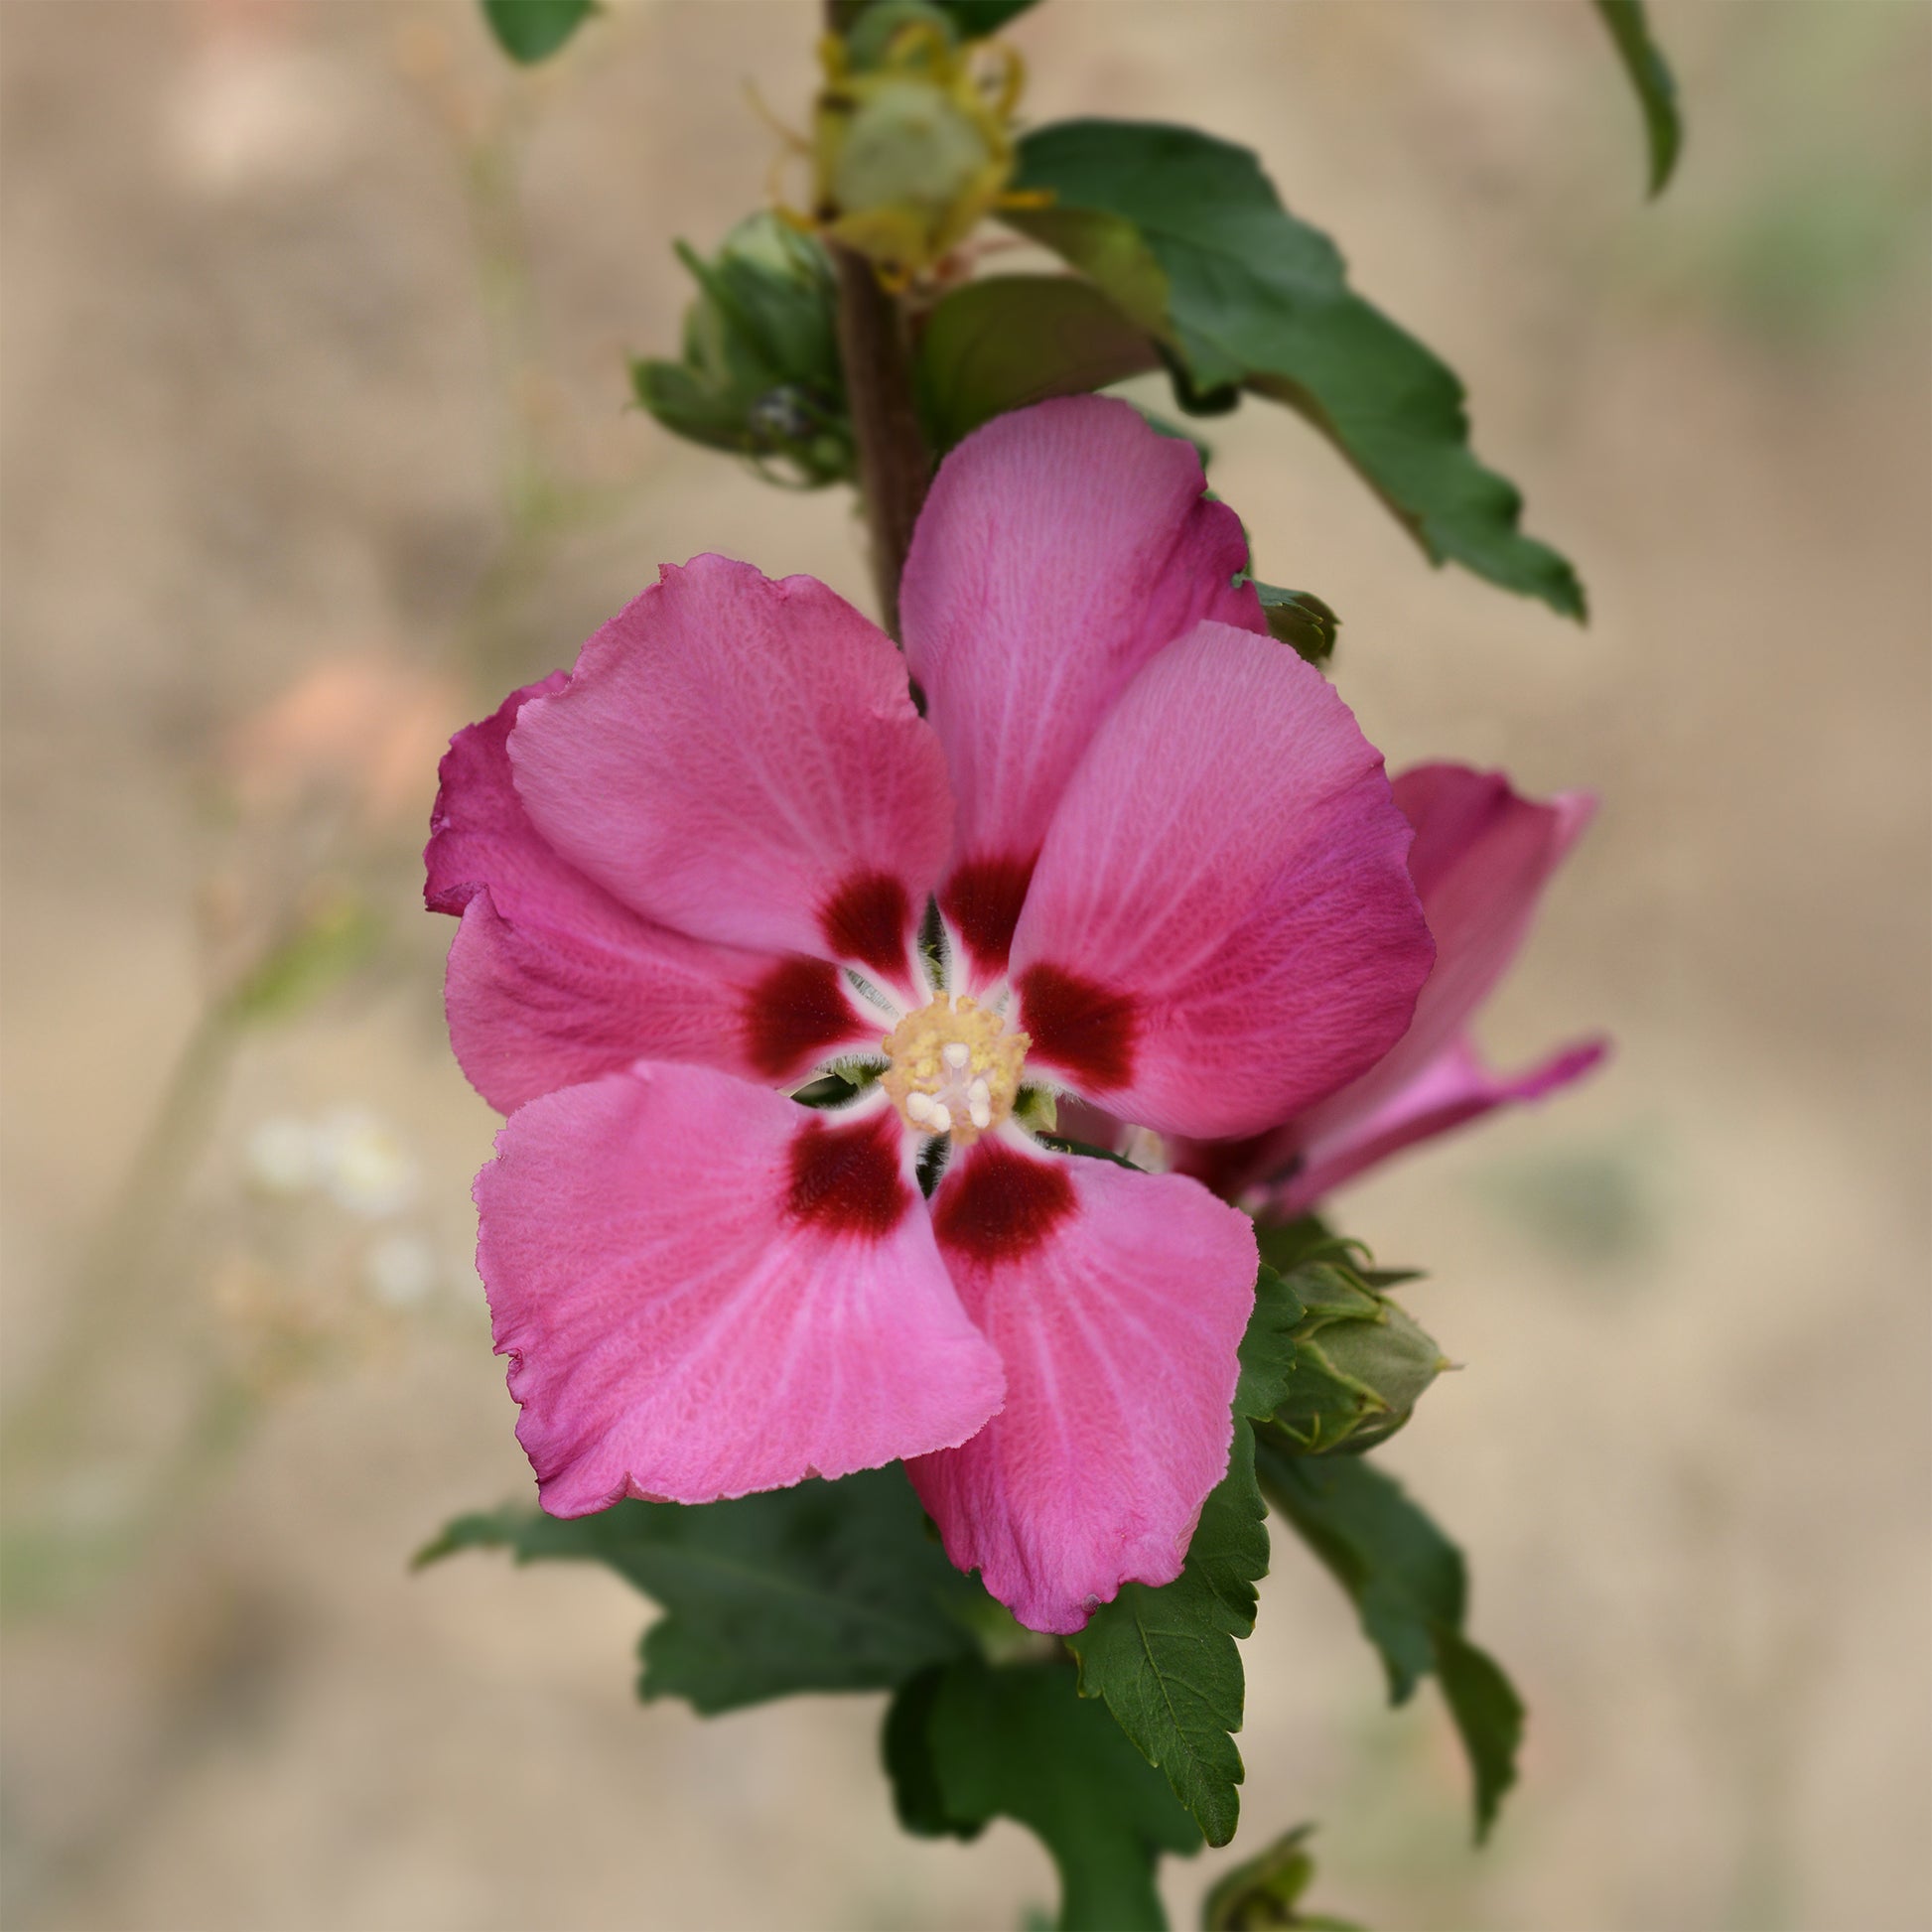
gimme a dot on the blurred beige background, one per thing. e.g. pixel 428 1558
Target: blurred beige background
pixel 316 441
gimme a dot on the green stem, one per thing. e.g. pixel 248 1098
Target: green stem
pixel 113 1275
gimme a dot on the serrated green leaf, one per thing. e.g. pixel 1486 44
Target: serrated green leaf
pixel 1188 236
pixel 1013 340
pixel 1164 1660
pixel 825 1586
pixel 1265 1891
pixel 1656 88
pixel 968 1742
pixel 530 31
pixel 1299 619
pixel 1410 1588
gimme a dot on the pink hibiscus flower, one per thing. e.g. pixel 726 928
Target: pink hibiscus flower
pixel 1168 874
pixel 1481 860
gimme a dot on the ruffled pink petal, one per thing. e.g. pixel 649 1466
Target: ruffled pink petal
pixel 1061 548
pixel 551 980
pixel 1452 1092
pixel 1480 862
pixel 740 760
pixel 706 1290
pixel 1221 929
pixel 1117 1301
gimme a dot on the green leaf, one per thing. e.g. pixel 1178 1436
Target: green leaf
pixel 967 1743
pixel 1164 1660
pixel 1651 77
pixel 1410 1588
pixel 825 1586
pixel 1299 619
pixel 1188 236
pixel 1265 1891
pixel 971 20
pixel 1489 1716
pixel 975 19
pixel 1013 340
pixel 530 31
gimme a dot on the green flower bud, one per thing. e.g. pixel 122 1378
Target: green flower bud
pixel 759 373
pixel 1362 1362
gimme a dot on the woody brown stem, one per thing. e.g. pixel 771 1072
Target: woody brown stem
pixel 894 465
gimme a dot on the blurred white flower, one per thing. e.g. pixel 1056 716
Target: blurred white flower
pixel 282 1156
pixel 401 1270
pixel 365 1165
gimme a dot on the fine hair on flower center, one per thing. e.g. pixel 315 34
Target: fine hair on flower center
pixel 954 1069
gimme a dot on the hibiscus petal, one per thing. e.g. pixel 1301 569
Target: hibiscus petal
pixel 552 981
pixel 1221 929
pixel 1061 548
pixel 740 760
pixel 1480 862
pixel 706 1290
pixel 1456 1091
pixel 1117 1301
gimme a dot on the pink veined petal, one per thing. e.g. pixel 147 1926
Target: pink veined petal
pixel 1452 1093
pixel 1221 929
pixel 706 1290
pixel 552 981
pixel 1061 548
pixel 1481 860
pixel 740 760
pixel 1117 1301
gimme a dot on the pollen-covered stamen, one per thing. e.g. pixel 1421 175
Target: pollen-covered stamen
pixel 954 1069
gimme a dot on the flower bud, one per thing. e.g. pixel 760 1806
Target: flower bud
pixel 1362 1362
pixel 759 373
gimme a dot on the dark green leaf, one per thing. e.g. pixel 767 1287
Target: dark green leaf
pixel 975 19
pixel 530 31
pixel 826 1587
pixel 1013 340
pixel 1488 1714
pixel 1651 77
pixel 968 1742
pixel 1410 1588
pixel 1188 237
pixel 1285 1245
pixel 971 20
pixel 1266 1891
pixel 1299 619
pixel 1164 1660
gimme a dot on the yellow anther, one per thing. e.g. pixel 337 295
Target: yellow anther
pixel 955 1067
